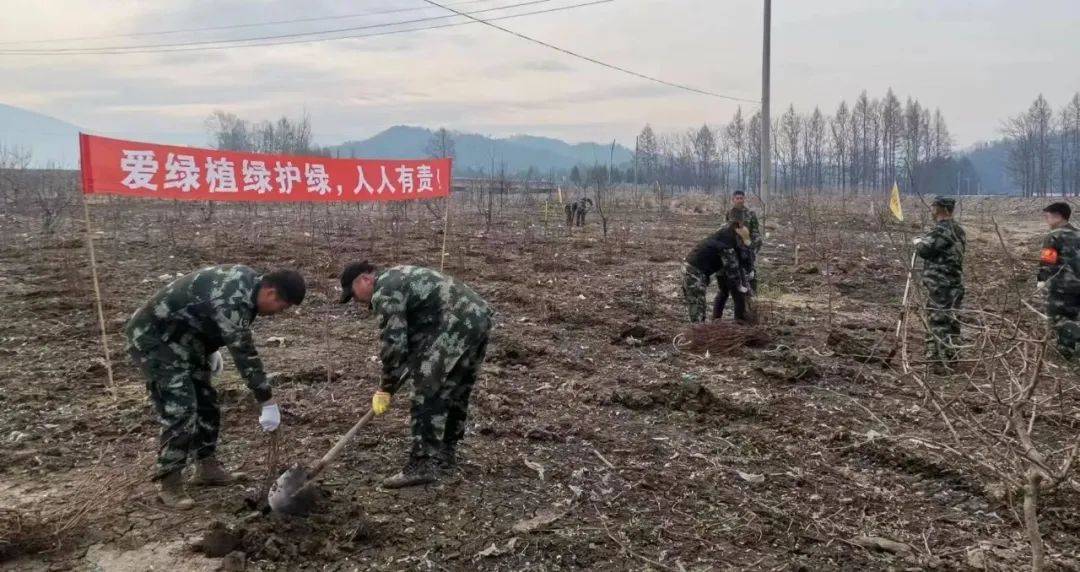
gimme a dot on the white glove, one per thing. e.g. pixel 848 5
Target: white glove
pixel 917 241
pixel 216 363
pixel 270 417
pixel 743 289
pixel 1040 285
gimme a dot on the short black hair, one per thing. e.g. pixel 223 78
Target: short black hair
pixel 289 285
pixel 350 273
pixel 1062 209
pixel 739 193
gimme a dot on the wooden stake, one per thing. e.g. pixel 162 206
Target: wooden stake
pixel 445 233
pixel 907 288
pixel 97 298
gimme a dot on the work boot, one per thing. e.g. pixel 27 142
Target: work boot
pixel 447 458
pixel 209 472
pixel 171 492
pixel 417 471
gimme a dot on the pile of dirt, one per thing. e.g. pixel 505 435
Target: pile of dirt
pixel 860 347
pixel 634 335
pixel 683 395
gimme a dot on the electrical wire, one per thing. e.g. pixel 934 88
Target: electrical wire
pixel 143 48
pixel 228 26
pixel 593 60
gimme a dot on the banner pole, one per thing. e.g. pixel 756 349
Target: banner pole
pixel 97 297
pixel 445 233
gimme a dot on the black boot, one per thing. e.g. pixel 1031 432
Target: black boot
pixel 417 471
pixel 448 458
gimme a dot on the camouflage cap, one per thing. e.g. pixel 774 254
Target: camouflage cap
pixel 947 202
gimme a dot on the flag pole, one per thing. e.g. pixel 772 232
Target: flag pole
pixel 97 297
pixel 445 233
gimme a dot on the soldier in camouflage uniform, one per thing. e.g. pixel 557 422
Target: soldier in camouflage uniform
pixel 575 211
pixel 174 339
pixel 942 251
pixel 434 334
pixel 740 212
pixel 718 255
pixel 1059 275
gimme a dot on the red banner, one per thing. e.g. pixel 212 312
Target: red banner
pixel 131 168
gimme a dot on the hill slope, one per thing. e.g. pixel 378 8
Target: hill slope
pixel 50 140
pixel 477 152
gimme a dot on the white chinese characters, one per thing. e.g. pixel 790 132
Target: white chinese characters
pixel 140 166
pixel 221 175
pixel 181 172
pixel 233 174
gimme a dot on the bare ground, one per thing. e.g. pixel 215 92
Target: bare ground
pixel 594 442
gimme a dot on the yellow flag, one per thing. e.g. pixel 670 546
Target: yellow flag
pixel 894 203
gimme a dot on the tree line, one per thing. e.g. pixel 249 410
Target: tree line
pixel 285 136
pixel 1044 149
pixel 864 146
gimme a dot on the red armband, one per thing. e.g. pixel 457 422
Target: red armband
pixel 1049 256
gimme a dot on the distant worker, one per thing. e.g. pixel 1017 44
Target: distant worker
pixel 718 255
pixel 434 335
pixel 942 251
pixel 739 211
pixel 1059 275
pixel 576 210
pixel 174 339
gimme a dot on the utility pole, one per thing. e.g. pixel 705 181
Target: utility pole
pixel 766 123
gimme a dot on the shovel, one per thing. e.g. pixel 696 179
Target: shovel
pixel 292 493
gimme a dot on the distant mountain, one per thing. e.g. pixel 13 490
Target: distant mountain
pixel 477 152
pixel 51 142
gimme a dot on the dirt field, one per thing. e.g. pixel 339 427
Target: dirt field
pixel 595 441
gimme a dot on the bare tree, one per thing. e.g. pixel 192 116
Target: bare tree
pixel 704 150
pixel 646 157
pixel 441 145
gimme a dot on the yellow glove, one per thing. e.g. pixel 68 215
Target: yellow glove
pixel 380 402
pixel 744 234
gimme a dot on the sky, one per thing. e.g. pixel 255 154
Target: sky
pixel 979 61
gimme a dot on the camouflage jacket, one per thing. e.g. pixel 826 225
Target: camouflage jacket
pixel 718 253
pixel 1058 263
pixel 942 251
pixel 216 306
pixel 415 306
pixel 750 218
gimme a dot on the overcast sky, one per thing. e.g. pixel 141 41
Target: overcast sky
pixel 978 60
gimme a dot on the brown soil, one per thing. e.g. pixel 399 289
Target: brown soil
pixel 607 446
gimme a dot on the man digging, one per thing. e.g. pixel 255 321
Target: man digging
pixel 717 254
pixel 174 339
pixel 434 334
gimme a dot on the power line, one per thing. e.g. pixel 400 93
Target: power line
pixel 294 35
pixel 590 59
pixel 228 26
pixel 313 40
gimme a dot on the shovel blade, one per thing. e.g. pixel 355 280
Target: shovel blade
pixel 289 495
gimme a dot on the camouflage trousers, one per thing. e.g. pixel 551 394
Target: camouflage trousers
pixel 943 325
pixel 441 388
pixel 178 381
pixel 1064 313
pixel 695 285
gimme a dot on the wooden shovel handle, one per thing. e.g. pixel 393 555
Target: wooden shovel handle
pixel 339 446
